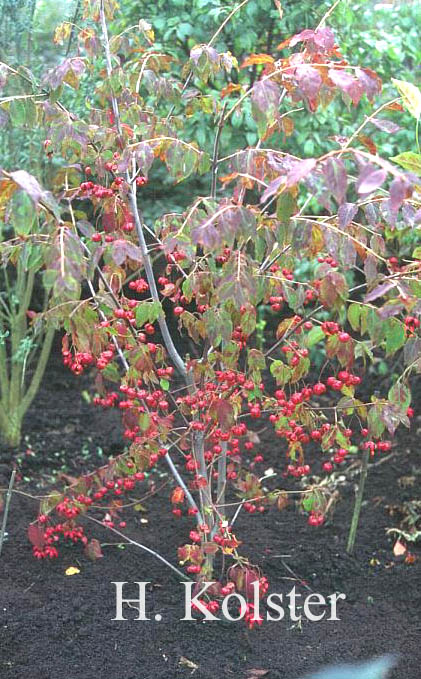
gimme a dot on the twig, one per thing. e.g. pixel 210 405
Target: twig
pixel 358 502
pixel 180 480
pixel 138 544
pixel 215 150
pixel 6 509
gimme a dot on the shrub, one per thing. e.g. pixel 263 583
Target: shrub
pixel 170 319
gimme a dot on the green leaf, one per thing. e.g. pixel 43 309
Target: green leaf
pixel 23 213
pixel 314 336
pixel 400 395
pixel 354 312
pixel 411 96
pixel 308 503
pixel 165 385
pixel 148 312
pixel 281 372
pixel 375 425
pixel 395 336
pixel 409 161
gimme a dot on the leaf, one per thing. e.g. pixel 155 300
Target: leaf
pixel 299 171
pixel 385 125
pixel 399 549
pixel 69 71
pixel 314 336
pixel 395 336
pixel 123 249
pixel 335 175
pixel 281 372
pixel 28 183
pixel 375 423
pixel 400 395
pixel 333 289
pixel 411 96
pixel 93 550
pixel 265 99
pixel 354 313
pixel 379 291
pixel 370 179
pixel 286 206
pixel 256 59
pixel 347 83
pixel 346 214
pixel 224 413
pixel 409 161
pixel 72 570
pixel 148 312
pixel 36 535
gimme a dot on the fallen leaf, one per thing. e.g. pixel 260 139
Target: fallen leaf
pixel 188 663
pixel 399 548
pixel 72 570
pixel 93 550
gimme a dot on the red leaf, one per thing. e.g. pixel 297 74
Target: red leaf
pixel 36 535
pixel 93 550
pixel 347 83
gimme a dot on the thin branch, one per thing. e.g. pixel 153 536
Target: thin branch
pixel 138 544
pixel 6 509
pixel 214 169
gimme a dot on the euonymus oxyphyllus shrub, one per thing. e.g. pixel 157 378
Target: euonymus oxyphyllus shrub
pixel 168 323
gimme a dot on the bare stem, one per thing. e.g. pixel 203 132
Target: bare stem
pixel 138 544
pixel 6 509
pixel 358 502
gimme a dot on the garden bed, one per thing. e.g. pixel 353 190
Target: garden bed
pixel 61 627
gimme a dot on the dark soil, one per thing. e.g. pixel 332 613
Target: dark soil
pixel 55 626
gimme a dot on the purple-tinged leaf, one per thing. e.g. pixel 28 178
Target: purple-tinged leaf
pixel 123 249
pixel 372 214
pixel 309 82
pixel 409 215
pixel 334 172
pixel 324 37
pixel 299 171
pixel 385 125
pixel 377 244
pixel 31 186
pixel 370 268
pixel 392 416
pixel 390 309
pixel 307 34
pixel 398 191
pixel 370 82
pixel 93 550
pixel 69 72
pixel 333 288
pixel 346 214
pixel 85 228
pixel 272 189
pixel 379 291
pixel 412 353
pixel 370 179
pixel 347 83
pixel 4 118
pixel 265 99
pixel 144 156
pixel 28 183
